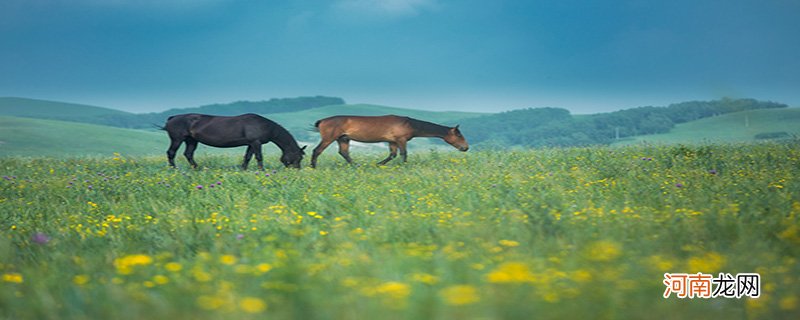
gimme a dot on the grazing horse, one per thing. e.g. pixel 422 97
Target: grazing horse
pixel 249 130
pixel 393 129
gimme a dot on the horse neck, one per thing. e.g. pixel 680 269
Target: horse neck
pixel 428 129
pixel 284 140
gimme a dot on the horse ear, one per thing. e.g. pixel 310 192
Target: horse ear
pixel 457 126
pixel 304 147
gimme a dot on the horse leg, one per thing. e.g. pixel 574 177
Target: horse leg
pixel 403 152
pixel 318 150
pixel 392 153
pixel 344 148
pixel 173 149
pixel 191 145
pixel 247 156
pixel 259 157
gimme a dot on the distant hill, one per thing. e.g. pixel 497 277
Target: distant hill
pixel 272 106
pixel 41 109
pixel 734 127
pixel 555 127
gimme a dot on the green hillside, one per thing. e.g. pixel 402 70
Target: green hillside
pixel 734 127
pixel 42 109
pixel 36 137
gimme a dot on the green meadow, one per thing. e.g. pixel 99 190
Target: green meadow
pixel 547 233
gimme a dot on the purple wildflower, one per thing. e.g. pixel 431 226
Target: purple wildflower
pixel 199 187
pixel 679 185
pixel 219 183
pixel 239 236
pixel 40 238
pixel 90 187
pixel 712 171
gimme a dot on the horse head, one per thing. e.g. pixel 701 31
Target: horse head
pixel 456 139
pixel 293 158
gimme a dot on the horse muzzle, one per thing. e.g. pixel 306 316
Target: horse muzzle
pixel 463 149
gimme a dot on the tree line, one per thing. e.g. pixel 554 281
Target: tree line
pixel 556 127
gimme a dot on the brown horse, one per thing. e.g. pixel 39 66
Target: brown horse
pixel 249 130
pixel 393 129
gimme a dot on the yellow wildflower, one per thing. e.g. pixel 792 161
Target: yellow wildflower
pixel 660 264
pixel 394 290
pixel 173 266
pixel 264 267
pixel 708 263
pixel 227 259
pixel 159 279
pixel 582 276
pixel 125 264
pixel 460 295
pixel 508 243
pixel 201 275
pixel 425 278
pixel 604 250
pixel 252 305
pixel 12 277
pixel 510 272
pixel 80 279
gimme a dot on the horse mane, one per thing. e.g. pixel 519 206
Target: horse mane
pixel 283 136
pixel 425 127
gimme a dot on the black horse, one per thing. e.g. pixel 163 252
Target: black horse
pixel 249 130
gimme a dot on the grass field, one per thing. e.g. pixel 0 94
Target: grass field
pixel 36 137
pixel 552 233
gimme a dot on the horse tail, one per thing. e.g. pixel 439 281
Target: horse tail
pixel 316 126
pixel 164 127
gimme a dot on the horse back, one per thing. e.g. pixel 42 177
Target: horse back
pixel 365 128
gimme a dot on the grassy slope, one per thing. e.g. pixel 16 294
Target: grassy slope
pixel 22 107
pixel 729 127
pixel 35 137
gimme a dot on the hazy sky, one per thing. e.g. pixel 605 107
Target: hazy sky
pixel 474 55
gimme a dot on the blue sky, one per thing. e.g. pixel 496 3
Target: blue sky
pixel 586 56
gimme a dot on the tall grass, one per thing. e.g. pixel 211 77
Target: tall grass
pixel 553 233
